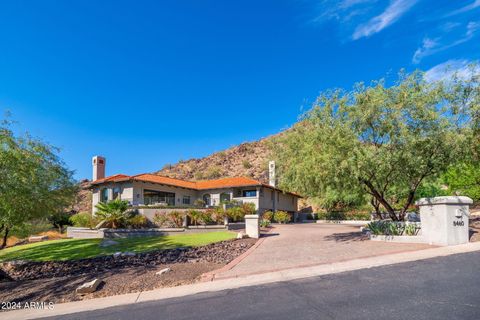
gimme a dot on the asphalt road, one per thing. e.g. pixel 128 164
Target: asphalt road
pixel 440 288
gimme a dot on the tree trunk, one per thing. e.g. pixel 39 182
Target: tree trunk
pixel 5 236
pixel 411 196
pixel 376 205
pixel 381 199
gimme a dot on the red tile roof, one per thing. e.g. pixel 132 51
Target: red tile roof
pixel 198 185
pixel 226 182
pixel 164 180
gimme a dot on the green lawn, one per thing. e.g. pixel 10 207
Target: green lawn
pixel 68 249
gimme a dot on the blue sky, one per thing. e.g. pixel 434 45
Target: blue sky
pixel 146 83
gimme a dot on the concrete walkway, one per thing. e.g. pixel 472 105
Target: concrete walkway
pixel 301 245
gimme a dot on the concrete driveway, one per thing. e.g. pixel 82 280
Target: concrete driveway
pixel 301 245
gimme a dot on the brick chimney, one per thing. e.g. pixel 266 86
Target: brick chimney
pixel 98 163
pixel 272 179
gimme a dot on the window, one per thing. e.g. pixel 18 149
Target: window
pixel 249 193
pixel 186 200
pixel 116 193
pixel 224 197
pixel 153 197
pixel 207 199
pixel 104 195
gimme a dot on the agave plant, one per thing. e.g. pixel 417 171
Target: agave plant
pixel 376 227
pixel 411 230
pixel 114 213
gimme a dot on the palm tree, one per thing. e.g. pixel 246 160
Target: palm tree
pixel 113 213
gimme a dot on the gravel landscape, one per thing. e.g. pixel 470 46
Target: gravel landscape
pixel 56 281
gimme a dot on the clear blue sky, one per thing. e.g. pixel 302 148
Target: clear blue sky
pixel 146 83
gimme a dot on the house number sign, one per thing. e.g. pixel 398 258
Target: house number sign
pixel 458 223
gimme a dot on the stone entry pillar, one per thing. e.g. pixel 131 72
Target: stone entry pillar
pixel 252 225
pixel 445 220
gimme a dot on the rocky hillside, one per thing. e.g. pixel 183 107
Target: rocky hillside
pixel 248 159
pixel 83 198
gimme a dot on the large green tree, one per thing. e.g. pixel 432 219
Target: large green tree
pixel 385 139
pixel 34 181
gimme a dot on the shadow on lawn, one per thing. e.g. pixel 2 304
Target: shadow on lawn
pixel 347 236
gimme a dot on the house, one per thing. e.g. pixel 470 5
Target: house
pixel 150 189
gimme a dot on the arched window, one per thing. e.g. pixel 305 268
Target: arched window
pixel 104 195
pixel 116 193
pixel 207 199
pixel 224 197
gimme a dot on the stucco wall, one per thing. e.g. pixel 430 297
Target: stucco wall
pixel 138 188
pixel 283 201
pixel 126 192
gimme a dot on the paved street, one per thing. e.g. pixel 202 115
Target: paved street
pixel 293 245
pixel 439 288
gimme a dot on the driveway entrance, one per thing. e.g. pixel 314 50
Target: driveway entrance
pixel 301 245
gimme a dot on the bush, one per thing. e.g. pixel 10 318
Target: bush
pixel 393 228
pixel 213 173
pixel 246 164
pixel 248 208
pixel 216 215
pixel 235 213
pixel 282 216
pixel 59 220
pixel 199 203
pixel 114 214
pixel 171 219
pixel 84 219
pixel 267 216
pixel 137 221
pixel 195 216
pixel 265 223
pixel 340 215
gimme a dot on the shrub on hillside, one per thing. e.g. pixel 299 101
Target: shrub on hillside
pixel 246 164
pixel 282 217
pixel 213 173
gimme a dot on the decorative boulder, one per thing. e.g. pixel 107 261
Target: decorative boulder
pixel 163 271
pixel 241 235
pixel 88 287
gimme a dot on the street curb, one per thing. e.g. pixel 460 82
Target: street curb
pixel 246 281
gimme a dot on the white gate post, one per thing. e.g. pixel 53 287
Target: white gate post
pixel 252 225
pixel 445 220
